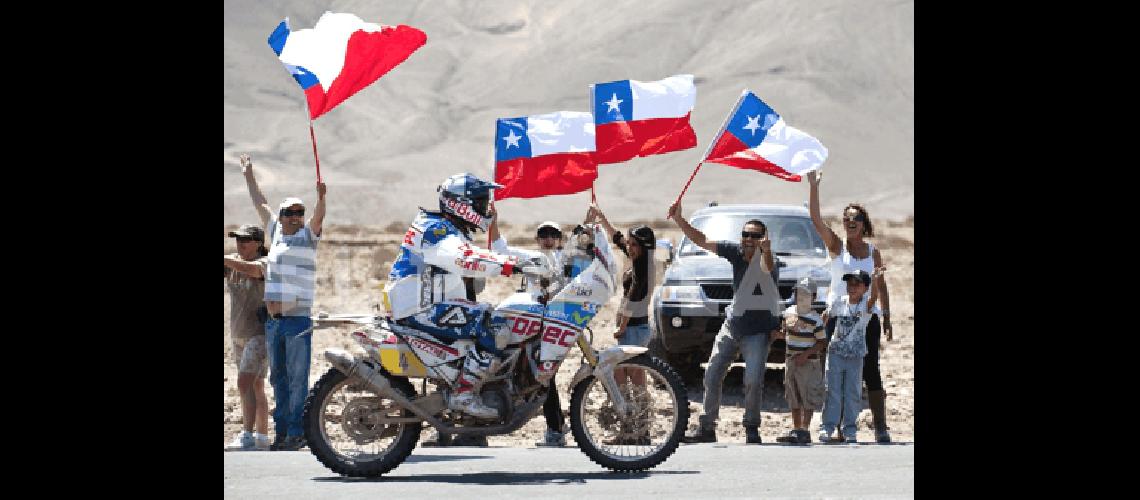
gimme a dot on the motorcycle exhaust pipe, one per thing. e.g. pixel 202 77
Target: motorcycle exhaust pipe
pixel 343 361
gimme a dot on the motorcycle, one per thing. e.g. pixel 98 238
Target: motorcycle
pixel 364 416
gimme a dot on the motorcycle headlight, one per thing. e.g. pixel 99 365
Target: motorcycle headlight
pixel 681 293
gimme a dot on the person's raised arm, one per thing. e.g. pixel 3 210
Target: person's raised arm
pixel 884 296
pixel 318 212
pixel 595 213
pixel 255 194
pixel 834 245
pixel 695 235
pixel 493 229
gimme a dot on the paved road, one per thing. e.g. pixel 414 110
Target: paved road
pixel 704 470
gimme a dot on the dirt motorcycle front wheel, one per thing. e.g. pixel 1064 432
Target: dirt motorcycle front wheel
pixel 343 426
pixel 645 437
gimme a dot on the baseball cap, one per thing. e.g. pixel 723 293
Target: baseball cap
pixel 550 224
pixel 290 201
pixel 862 275
pixel 248 231
pixel 805 284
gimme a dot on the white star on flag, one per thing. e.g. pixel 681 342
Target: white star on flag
pixel 512 139
pixel 613 103
pixel 753 124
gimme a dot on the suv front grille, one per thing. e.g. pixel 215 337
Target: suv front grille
pixel 724 292
pixel 717 291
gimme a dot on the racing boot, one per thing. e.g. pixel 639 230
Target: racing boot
pixel 466 397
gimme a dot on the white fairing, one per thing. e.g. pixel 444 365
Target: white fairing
pixel 579 301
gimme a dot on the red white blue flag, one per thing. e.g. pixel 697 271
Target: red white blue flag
pixel 643 118
pixel 541 155
pixel 756 138
pixel 341 55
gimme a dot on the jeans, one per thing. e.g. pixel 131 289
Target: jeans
pixel 637 335
pixel 754 348
pixel 290 343
pixel 844 394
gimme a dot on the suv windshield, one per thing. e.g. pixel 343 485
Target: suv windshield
pixel 790 235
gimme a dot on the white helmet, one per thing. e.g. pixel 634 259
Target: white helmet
pixel 468 198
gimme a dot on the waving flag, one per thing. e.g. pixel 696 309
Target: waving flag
pixel 341 55
pixel 756 138
pixel 541 155
pixel 643 118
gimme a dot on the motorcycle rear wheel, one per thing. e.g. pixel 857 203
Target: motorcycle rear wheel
pixel 340 431
pixel 642 440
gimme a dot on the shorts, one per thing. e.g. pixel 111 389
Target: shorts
pixel 803 385
pixel 637 335
pixel 250 355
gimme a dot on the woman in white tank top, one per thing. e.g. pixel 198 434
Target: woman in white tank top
pixel 853 254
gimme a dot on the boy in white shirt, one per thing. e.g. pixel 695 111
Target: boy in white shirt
pixel 845 353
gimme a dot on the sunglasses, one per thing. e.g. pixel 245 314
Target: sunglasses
pixel 549 233
pixel 246 239
pixel 291 213
pixel 855 218
pixel 750 234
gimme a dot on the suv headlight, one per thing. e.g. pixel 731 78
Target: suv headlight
pixel 819 274
pixel 686 293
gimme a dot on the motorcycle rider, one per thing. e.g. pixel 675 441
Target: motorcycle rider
pixel 426 291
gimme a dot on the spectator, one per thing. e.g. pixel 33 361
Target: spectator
pixel 633 313
pixel 749 322
pixel 849 255
pixel 851 314
pixel 245 278
pixel 803 375
pixel 548 236
pixel 289 291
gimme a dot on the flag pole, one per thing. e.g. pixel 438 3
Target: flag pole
pixel 708 149
pixel 313 137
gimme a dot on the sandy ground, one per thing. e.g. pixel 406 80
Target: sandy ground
pixel 353 262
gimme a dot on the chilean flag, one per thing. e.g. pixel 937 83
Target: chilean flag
pixel 756 138
pixel 643 118
pixel 341 55
pixel 541 155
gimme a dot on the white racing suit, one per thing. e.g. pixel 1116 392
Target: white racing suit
pixel 425 291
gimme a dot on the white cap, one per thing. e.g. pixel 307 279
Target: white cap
pixel 549 224
pixel 290 202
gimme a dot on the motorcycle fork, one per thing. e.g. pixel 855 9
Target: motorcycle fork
pixel 604 371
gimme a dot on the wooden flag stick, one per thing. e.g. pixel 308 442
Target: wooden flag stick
pixel 313 136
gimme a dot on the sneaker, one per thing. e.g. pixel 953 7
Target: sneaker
pixel 701 435
pixel 441 440
pixel 467 402
pixel 824 437
pixel 751 435
pixel 277 440
pixel 552 439
pixel 242 442
pixel 851 439
pixel 793 436
pixel 292 443
pixel 261 441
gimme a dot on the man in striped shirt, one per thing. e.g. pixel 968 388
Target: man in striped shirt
pixel 803 373
pixel 289 289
